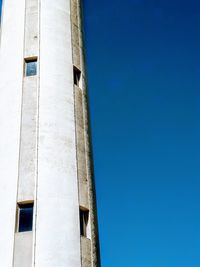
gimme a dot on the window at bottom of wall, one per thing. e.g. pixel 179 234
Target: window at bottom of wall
pixel 77 76
pixel 30 66
pixel 24 217
pixel 84 217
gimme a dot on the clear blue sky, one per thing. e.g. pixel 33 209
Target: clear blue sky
pixel 144 82
pixel 143 60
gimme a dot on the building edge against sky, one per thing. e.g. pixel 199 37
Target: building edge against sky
pixel 48 209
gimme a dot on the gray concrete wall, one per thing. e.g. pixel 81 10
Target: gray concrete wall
pixel 28 160
pixel 89 246
pixel 23 249
pixel 28 146
pixel 23 243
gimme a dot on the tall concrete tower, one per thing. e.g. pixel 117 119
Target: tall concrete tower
pixel 47 198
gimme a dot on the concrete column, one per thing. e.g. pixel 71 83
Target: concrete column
pixel 57 232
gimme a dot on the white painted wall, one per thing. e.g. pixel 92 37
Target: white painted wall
pixel 57 232
pixel 11 75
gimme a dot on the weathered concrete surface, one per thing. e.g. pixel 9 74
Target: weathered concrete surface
pixel 23 243
pixel 23 249
pixel 27 164
pixel 89 247
pixel 86 252
pixel 31 28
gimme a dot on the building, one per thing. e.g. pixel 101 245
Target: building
pixel 47 197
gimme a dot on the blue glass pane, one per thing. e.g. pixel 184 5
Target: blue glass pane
pixel 26 218
pixel 31 68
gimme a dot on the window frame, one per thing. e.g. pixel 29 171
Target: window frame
pixel 76 76
pixel 19 206
pixel 84 221
pixel 29 60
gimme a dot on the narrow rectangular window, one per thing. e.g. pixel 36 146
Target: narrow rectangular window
pixel 25 217
pixel 77 76
pixel 30 66
pixel 84 216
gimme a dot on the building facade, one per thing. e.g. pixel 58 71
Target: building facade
pixel 47 195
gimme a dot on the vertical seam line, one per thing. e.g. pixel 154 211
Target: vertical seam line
pixel 37 138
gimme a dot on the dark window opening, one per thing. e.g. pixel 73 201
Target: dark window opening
pixel 30 67
pixel 25 217
pixel 77 76
pixel 84 216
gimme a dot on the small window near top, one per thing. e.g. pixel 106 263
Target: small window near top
pixel 84 216
pixel 25 217
pixel 31 67
pixel 77 76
